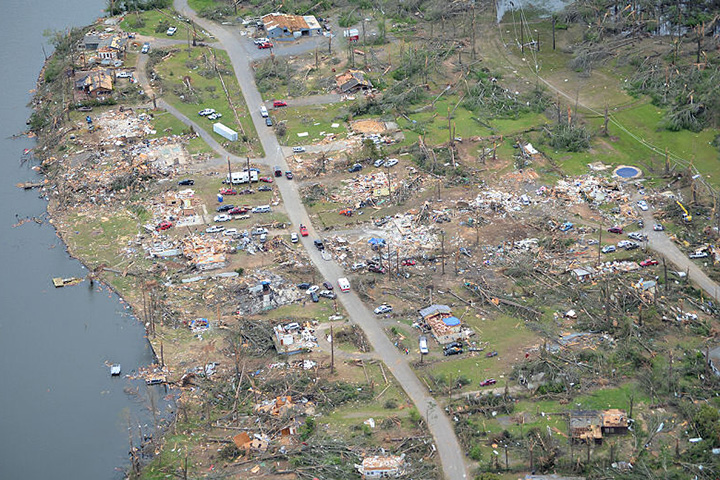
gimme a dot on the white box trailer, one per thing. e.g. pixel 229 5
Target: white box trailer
pixel 344 284
pixel 226 132
pixel 242 177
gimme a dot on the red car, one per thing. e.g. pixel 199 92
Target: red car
pixel 289 175
pixel 164 225
pixel 265 45
pixel 615 230
pixel 303 230
pixel 488 382
pixel 266 179
pixel 279 103
pixel 648 263
pixel 238 211
pixel 228 191
pixel 409 262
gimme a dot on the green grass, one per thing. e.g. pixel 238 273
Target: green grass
pixel 199 5
pixel 304 119
pixel 99 239
pixel 151 20
pixel 183 64
pixel 166 124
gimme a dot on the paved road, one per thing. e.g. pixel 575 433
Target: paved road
pixel 451 455
pixel 661 243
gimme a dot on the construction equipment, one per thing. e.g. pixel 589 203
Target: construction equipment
pixel 347 212
pixel 687 216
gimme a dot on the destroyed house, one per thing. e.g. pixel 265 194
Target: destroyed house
pixel 352 81
pixel 276 407
pixel 111 48
pixel 614 421
pixel 258 442
pixel 382 466
pixel 279 25
pixel 586 426
pixel 95 83
pixel 439 320
pixel 292 338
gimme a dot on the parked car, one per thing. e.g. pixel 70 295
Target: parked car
pixel 238 211
pixel 488 382
pixel 384 308
pixel 214 229
pixel 491 354
pixel 230 232
pixel 303 230
pixel 452 350
pixel 294 237
pixel 319 244
pixel 268 122
pixel 636 236
pixel 648 262
pixel 298 149
pixel 642 204
pixel 265 188
pixel 214 116
pixel 279 103
pixel 314 297
pixel 171 31
pixel 608 249
pixel 327 294
pixel 228 191
pixel 390 162
pixel 566 226
pixel 278 171
pixel 303 286
pixel 259 231
pixel 264 45
pixel 164 225
pixel 187 181
pixel 145 47
pixel 631 246
pixel 313 289
pixel 702 254
pixel 225 208
pixel 355 168
pixel 223 217
pixel 328 285
pixel 266 179
pixel 357 266
pixel 423 344
pixel 379 162
pixel 615 230
pixel 289 175
pixel 623 243
pixel 658 227
pixel 408 262
pixel 123 74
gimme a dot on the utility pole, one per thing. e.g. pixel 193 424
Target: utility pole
pixel 443 251
pixel 332 350
pixel 229 172
pixel 474 56
pixel 554 19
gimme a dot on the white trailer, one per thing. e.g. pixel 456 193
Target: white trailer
pixel 242 177
pixel 226 132
pixel 263 111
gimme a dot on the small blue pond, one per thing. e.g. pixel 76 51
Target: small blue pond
pixel 627 172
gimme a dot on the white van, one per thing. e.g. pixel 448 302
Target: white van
pixel 261 209
pixel 263 111
pixel 422 342
pixel 344 284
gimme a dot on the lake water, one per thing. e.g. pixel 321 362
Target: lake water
pixel 63 416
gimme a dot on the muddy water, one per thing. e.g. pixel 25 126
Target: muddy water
pixel 62 415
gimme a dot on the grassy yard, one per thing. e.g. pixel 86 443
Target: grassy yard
pixel 166 124
pixel 154 23
pixel 197 68
pixel 313 120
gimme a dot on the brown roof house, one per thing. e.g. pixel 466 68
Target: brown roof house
pixel 352 81
pixel 95 83
pixel 444 327
pixel 614 421
pixel 278 25
pixel 586 426
pixel 257 443
pixel 382 466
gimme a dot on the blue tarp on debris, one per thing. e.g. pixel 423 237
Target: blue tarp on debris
pixel 451 321
pixel 376 241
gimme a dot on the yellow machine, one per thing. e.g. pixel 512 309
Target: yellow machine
pixel 687 216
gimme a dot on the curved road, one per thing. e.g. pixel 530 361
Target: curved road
pixel 450 452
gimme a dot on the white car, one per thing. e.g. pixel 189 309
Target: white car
pixel 379 162
pixel 207 111
pixel 259 231
pixel 298 149
pixel 123 74
pixel 294 237
pixel 223 217
pixel 171 31
pixel 642 204
pixel 391 162
pixel 702 254
pixel 658 227
pixel 313 289
pixel 214 116
pixel 230 232
pixel 608 249
pixel 636 236
pixel 358 266
pixel 423 344
pixel 214 229
pixel 624 243
pixel 384 308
